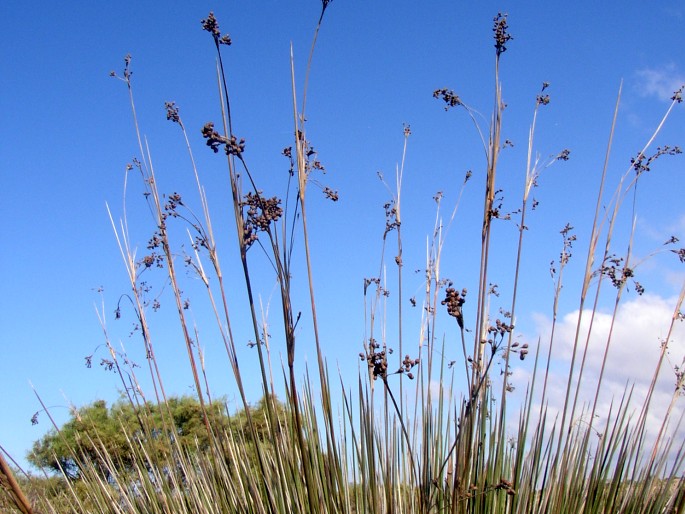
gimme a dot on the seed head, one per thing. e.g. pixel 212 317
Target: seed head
pixel 211 25
pixel 502 36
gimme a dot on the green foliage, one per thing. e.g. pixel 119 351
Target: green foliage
pixel 41 491
pixel 103 436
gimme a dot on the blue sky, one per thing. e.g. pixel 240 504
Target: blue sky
pixel 67 135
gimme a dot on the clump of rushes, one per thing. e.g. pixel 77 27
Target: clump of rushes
pixel 427 431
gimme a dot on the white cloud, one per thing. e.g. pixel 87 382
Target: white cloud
pixel 639 329
pixel 660 82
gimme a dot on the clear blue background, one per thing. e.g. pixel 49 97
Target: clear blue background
pixel 67 134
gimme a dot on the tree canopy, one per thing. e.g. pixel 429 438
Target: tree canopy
pixel 109 438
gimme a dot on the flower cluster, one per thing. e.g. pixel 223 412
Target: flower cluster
pixel 522 350
pixel 450 98
pixel 407 365
pixel 454 300
pixel 172 112
pixel 642 163
pixel 261 213
pixel 500 328
pixel 391 220
pixel 619 273
pixel 502 37
pixel 215 140
pixel 377 359
pixel 211 25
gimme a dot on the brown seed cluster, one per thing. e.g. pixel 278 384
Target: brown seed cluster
pixel 211 25
pixel 149 260
pixel 522 350
pixel 330 194
pixel 507 486
pixel 261 213
pixel 288 154
pixel 502 36
pixel 500 328
pixel 127 71
pixel 454 300
pixel 680 252
pixel 642 163
pixel 407 365
pixel 391 221
pixel 153 258
pixel 173 201
pixel 377 360
pixel 679 379
pixel 450 98
pixel 214 140
pixel 619 273
pixel 564 155
pixel 235 147
pixel 542 100
pixel 569 239
pixel 172 112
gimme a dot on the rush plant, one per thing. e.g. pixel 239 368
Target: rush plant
pixel 415 433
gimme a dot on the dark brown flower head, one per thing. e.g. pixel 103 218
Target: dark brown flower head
pixel 376 359
pixel 215 140
pixel 502 36
pixel 235 147
pixel 454 300
pixel 450 98
pixel 391 220
pixel 211 25
pixel 680 253
pixel 127 72
pixel 619 273
pixel 173 201
pixel 127 69
pixel 172 112
pixel 261 213
pixel 542 100
pixel 642 163
pixel 564 155
pixel 522 351
pixel 330 194
pixel 569 239
pixel 153 259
